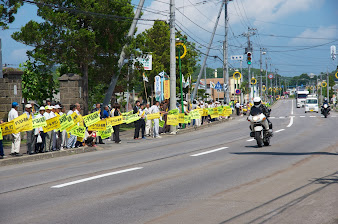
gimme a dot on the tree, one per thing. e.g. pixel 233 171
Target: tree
pixel 37 82
pixel 157 41
pixel 76 33
pixel 7 11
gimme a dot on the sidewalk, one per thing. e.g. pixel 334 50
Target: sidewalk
pixel 125 135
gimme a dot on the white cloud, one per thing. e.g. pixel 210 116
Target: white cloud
pixel 329 32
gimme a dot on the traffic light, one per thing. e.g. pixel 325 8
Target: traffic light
pixel 248 58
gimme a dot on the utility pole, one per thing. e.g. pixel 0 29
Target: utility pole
pixel 249 49
pixel 114 79
pixel 225 55
pixel 205 78
pixel 327 86
pixel 172 62
pixel 266 79
pixel 207 53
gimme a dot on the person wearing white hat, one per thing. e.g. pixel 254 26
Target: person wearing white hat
pixel 30 134
pixel 48 135
pixel 40 136
pixel 13 113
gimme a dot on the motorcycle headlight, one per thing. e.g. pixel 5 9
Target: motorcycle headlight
pixel 255 118
pixel 325 105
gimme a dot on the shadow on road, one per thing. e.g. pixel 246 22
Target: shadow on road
pixel 285 153
pixel 325 181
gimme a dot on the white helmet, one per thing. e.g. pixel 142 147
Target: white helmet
pixel 257 101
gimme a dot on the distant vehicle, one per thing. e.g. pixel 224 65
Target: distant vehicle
pixel 311 104
pixel 301 98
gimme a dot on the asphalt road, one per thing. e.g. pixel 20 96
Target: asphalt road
pixel 213 175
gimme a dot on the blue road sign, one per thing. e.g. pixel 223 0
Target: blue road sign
pixel 218 86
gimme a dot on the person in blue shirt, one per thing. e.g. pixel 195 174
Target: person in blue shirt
pixel 106 112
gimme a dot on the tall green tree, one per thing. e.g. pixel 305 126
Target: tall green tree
pixel 8 8
pixel 37 82
pixel 79 34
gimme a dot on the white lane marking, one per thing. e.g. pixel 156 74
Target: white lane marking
pixel 292 107
pixel 279 130
pixel 301 116
pixel 250 140
pixel 272 117
pixel 207 152
pixel 313 116
pixel 291 122
pixel 281 117
pixel 95 177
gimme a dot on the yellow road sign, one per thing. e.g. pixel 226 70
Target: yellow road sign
pixel 238 77
pixel 253 81
pixel 184 47
pixel 324 84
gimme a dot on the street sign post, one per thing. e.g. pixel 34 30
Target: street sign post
pixel 237 57
pixel 238 91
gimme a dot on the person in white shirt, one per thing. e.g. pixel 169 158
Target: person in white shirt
pixel 30 134
pixel 148 129
pixel 39 147
pixel 13 113
pixel 64 132
pixel 48 135
pixel 155 109
pixel 72 139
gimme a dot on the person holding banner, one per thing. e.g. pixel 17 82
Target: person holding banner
pixel 40 141
pixel 136 123
pixel 64 132
pixel 148 130
pixel 30 134
pixel 72 139
pixel 116 134
pixel 13 113
pixel 153 110
pixel 142 123
pixel 1 146
pixel 48 135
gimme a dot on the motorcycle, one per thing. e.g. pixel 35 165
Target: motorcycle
pixel 256 118
pixel 325 110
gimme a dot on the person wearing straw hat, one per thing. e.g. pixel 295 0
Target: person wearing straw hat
pixel 13 113
pixel 40 141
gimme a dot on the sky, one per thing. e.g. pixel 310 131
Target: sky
pixel 295 34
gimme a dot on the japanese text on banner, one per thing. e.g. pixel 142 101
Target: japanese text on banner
pixel 153 116
pixel 172 119
pixel 22 123
pixel 65 122
pixel 53 123
pixel 79 131
pixel 8 128
pixel 39 122
pixel 113 121
pixel 92 118
pixel 98 126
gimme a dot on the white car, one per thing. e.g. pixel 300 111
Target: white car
pixel 311 105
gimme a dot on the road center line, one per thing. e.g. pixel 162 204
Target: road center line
pixel 207 152
pixel 250 140
pixel 291 122
pixel 279 130
pixel 96 177
pixel 312 116
pixel 301 116
pixel 292 107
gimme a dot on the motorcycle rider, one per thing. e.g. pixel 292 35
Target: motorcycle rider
pixel 328 105
pixel 266 123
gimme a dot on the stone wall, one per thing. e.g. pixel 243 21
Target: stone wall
pixel 71 91
pixel 10 91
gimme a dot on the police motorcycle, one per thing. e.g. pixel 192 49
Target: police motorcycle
pixel 325 108
pixel 261 128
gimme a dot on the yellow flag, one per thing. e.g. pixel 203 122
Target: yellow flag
pixel 52 123
pixel 91 118
pixel 8 128
pixel 172 119
pixel 22 123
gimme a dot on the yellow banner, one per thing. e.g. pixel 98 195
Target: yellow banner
pixel 39 122
pixel 153 116
pixel 187 119
pixel 53 123
pixel 22 123
pixel 79 131
pixel 205 112
pixel 131 118
pixel 91 118
pixel 65 122
pixel 220 110
pixel 8 128
pixel 195 114
pixel 166 91
pixel 98 126
pixel 181 118
pixel 172 120
pixel 76 117
pixel 107 133
pixel 29 126
pixel 113 121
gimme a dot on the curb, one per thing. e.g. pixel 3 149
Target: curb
pixel 31 158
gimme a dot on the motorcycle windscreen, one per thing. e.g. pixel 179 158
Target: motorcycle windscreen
pixel 255 111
